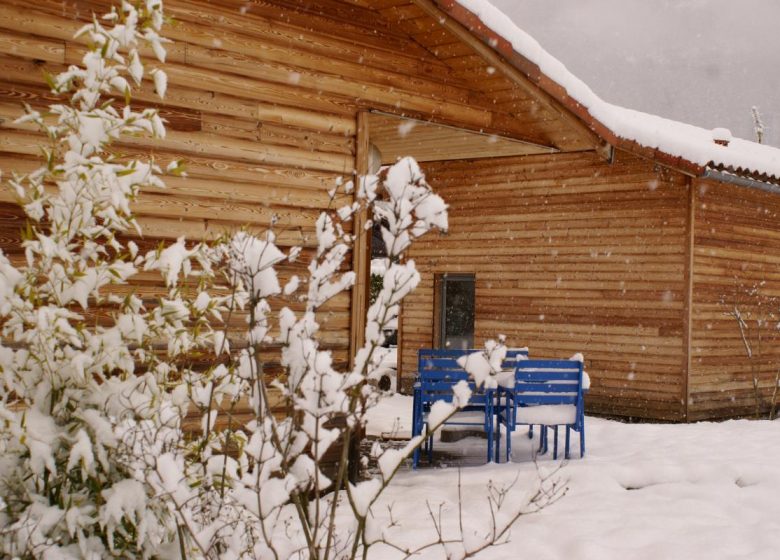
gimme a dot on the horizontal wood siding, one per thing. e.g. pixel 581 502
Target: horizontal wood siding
pixel 571 254
pixel 261 105
pixel 737 249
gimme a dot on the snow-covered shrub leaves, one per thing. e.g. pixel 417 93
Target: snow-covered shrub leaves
pixel 84 404
pixel 95 458
pixel 485 365
pixel 281 458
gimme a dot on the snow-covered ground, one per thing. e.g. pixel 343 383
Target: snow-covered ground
pixel 643 491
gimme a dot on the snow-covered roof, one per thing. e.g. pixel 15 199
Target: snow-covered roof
pixel 676 140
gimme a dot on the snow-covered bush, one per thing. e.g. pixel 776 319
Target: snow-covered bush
pixel 95 382
pixel 270 497
pixel 756 317
pixel 82 387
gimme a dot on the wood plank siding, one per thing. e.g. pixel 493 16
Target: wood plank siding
pixel 262 105
pixel 570 254
pixel 737 248
pixel 271 101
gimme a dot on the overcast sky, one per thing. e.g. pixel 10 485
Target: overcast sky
pixel 705 62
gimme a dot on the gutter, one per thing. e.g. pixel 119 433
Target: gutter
pixel 739 181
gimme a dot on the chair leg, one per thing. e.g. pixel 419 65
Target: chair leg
pixel 509 428
pixel 508 443
pixel 542 439
pixel 568 437
pixel 490 442
pixel 498 419
pixel 555 443
pixel 582 440
pixel 430 449
pixel 494 427
pixel 416 430
pixel 509 425
pixel 507 431
pixel 531 431
pixel 497 442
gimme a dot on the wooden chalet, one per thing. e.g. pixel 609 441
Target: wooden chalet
pixel 567 233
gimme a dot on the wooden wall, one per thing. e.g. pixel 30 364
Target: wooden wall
pixel 737 249
pixel 262 105
pixel 571 254
pixel 249 159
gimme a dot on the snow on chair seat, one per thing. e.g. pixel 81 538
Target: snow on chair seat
pixel 547 414
pixel 548 393
pixel 438 372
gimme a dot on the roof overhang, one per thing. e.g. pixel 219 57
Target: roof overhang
pixel 451 12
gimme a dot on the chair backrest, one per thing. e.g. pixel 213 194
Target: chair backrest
pixel 548 382
pixel 513 355
pixel 438 370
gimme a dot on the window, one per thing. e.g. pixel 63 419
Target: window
pixel 454 308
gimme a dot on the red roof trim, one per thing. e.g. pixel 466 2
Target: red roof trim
pixel 504 48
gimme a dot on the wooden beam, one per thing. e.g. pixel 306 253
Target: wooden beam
pixel 688 309
pixel 519 78
pixel 361 247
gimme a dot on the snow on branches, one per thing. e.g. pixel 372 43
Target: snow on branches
pixel 98 456
pixel 277 480
pixel 79 397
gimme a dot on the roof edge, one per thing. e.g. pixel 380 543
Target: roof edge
pixel 502 46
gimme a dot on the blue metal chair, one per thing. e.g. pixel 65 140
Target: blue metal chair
pixel 548 393
pixel 437 373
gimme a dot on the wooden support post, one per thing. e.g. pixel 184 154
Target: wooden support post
pixel 688 304
pixel 362 246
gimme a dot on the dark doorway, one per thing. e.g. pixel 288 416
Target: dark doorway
pixel 455 311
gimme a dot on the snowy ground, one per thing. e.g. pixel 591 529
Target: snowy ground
pixel 643 491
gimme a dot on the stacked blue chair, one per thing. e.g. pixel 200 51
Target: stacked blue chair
pixel 438 372
pixel 548 393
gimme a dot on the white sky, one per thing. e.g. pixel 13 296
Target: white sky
pixel 705 62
